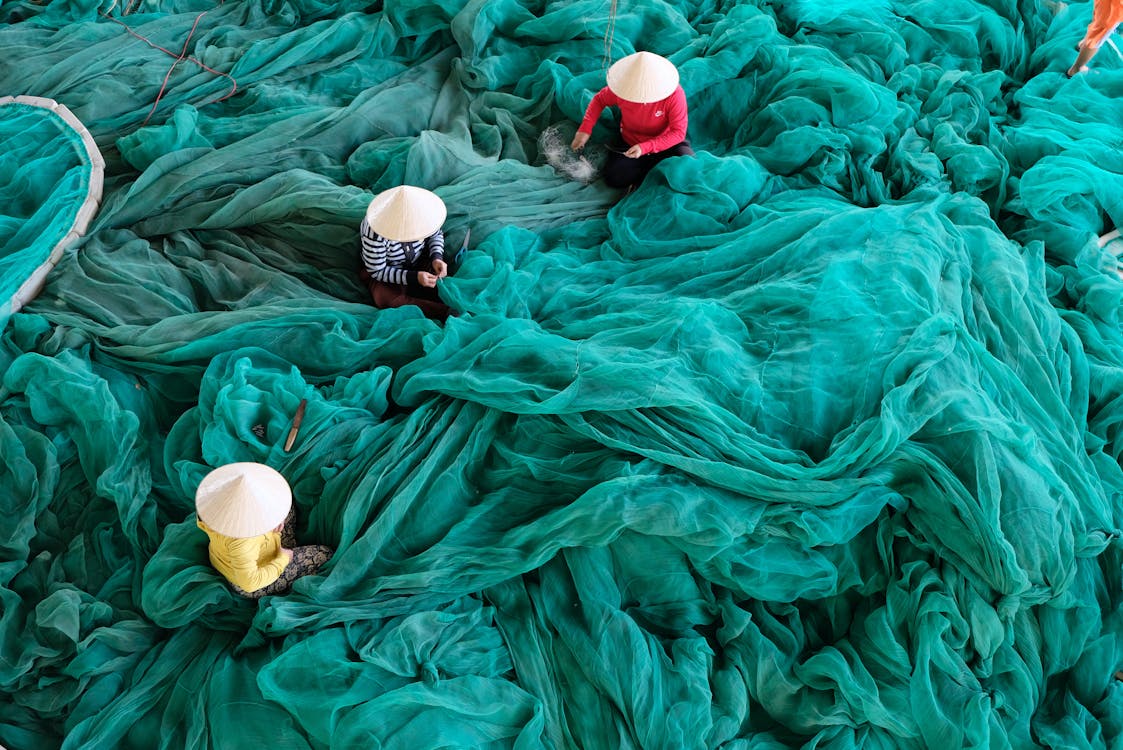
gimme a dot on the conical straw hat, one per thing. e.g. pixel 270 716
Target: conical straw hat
pixel 406 213
pixel 643 77
pixel 243 499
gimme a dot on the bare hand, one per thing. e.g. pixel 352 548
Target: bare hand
pixel 634 152
pixel 278 527
pixel 440 268
pixel 426 279
pixel 288 552
pixel 579 141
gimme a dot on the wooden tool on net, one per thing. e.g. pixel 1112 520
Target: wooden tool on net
pixel 296 424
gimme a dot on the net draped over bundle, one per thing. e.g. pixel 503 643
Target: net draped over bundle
pixel 51 173
pixel 811 441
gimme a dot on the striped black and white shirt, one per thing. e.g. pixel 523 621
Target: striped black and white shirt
pixel 398 262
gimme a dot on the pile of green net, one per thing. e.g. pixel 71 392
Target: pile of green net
pixel 812 441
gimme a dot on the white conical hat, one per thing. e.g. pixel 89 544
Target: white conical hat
pixel 406 213
pixel 243 499
pixel 643 77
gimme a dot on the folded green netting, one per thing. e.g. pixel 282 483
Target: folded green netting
pixel 813 441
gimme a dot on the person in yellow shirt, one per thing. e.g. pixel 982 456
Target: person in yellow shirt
pixel 246 510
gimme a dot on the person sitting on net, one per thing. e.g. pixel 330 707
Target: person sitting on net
pixel 644 86
pixel 246 510
pixel 1106 15
pixel 402 250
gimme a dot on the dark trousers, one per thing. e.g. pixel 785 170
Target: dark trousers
pixel 623 172
pixel 396 295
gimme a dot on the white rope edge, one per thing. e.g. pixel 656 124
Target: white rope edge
pixel 1103 242
pixel 38 278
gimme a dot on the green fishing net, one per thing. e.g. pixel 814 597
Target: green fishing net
pixel 811 441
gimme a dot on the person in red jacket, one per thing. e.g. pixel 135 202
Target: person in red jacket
pixel 644 86
pixel 1106 15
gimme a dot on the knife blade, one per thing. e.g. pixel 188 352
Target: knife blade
pixel 296 421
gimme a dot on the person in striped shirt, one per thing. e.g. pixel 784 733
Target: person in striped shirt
pixel 402 250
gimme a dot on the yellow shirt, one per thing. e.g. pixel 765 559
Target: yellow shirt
pixel 249 563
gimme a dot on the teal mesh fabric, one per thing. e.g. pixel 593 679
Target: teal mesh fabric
pixel 812 441
pixel 44 181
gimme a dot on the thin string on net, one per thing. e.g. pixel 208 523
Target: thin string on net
pixel 609 33
pixel 178 58
pixel 1111 42
pixel 553 144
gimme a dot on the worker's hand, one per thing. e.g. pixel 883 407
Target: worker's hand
pixel 278 527
pixel 579 141
pixel 426 279
pixel 440 268
pixel 288 552
pixel 634 152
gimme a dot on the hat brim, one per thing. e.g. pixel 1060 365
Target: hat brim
pixel 406 213
pixel 643 77
pixel 241 500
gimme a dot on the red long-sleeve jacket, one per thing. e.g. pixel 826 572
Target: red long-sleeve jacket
pixel 654 127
